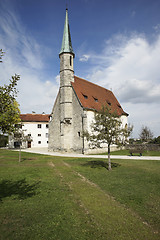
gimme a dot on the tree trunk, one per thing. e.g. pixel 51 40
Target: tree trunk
pixel 20 153
pixel 109 159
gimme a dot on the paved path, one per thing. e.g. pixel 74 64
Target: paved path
pixel 45 151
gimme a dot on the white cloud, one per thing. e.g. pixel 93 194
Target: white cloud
pixel 130 67
pixel 84 58
pixel 144 115
pixel 24 56
pixel 57 78
pixel 132 70
pixel 157 27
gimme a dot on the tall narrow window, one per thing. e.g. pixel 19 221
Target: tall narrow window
pixel 70 61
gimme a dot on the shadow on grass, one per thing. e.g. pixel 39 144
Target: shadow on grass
pixel 19 188
pixel 27 159
pixel 100 164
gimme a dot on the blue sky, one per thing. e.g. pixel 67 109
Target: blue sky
pixel 116 43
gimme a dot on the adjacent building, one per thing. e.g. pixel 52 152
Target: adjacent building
pixel 35 126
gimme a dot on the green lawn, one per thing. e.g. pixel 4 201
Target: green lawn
pixel 126 152
pixel 57 198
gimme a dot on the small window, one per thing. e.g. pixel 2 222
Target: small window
pixel 46 125
pixel 29 135
pixel 79 134
pixel 95 99
pixel 39 135
pixel 39 142
pixel 47 142
pixel 46 135
pixel 39 125
pixel 85 96
pixel 109 103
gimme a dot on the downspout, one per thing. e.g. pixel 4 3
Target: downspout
pixel 83 116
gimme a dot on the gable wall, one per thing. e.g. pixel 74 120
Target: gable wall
pixel 89 120
pixel 77 125
pixel 54 143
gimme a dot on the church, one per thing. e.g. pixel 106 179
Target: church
pixel 76 104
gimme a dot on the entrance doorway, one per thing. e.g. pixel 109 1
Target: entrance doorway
pixel 29 144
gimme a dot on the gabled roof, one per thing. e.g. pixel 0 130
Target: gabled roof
pixel 34 117
pixel 93 97
pixel 66 42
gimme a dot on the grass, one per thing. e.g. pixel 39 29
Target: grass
pixel 46 197
pixel 126 152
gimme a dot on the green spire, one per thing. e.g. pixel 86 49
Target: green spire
pixel 66 42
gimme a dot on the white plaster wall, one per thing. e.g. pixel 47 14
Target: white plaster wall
pixel 89 121
pixel 124 120
pixel 32 128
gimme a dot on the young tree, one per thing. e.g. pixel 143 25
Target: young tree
pixel 20 137
pixel 145 134
pixel 9 108
pixel 156 140
pixel 107 129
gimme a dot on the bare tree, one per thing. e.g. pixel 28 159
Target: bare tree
pixel 20 137
pixel 145 134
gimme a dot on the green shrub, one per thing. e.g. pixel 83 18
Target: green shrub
pixel 3 140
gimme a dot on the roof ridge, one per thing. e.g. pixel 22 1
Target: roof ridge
pixel 35 114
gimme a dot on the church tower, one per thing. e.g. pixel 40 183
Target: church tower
pixel 66 56
pixel 75 105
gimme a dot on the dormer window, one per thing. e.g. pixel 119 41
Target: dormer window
pixel 95 99
pixel 119 106
pixel 109 103
pixel 85 96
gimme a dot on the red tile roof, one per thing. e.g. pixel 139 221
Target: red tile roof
pixel 34 117
pixel 92 96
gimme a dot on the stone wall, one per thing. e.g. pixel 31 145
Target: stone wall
pixel 78 124
pixel 54 143
pixel 145 147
